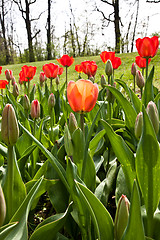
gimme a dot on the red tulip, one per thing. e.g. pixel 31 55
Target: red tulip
pixel 3 84
pixel 0 69
pixel 141 62
pixel 78 68
pixel 89 68
pixel 107 55
pixel 82 95
pixel 60 71
pixel 116 62
pixel 27 73
pixel 66 61
pixel 147 47
pixel 51 70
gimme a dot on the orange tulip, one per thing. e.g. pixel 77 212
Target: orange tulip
pixel 141 62
pixel 147 47
pixel 82 95
pixel 3 84
pixel 89 68
pixel 66 61
pixel 27 73
pixel 51 70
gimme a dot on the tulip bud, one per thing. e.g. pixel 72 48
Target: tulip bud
pixel 57 80
pixel 15 90
pixel 2 207
pixel 139 125
pixel 139 79
pixel 73 125
pixel 35 109
pixel 103 81
pixel 133 69
pixel 13 80
pixel 51 102
pixel 108 68
pixel 42 78
pixel 8 74
pixel 68 141
pixel 121 218
pixel 26 102
pixel 9 126
pixel 153 114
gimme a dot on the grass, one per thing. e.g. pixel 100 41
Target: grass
pixel 125 68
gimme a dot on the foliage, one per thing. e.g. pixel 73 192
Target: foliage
pixel 64 176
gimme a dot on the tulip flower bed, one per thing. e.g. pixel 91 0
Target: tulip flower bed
pixel 81 160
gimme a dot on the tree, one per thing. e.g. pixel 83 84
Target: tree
pixel 2 22
pixel 25 12
pixel 116 20
pixel 49 52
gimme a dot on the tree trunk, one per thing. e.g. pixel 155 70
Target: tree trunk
pixel 49 53
pixel 29 33
pixel 117 26
pixel 135 25
pixel 4 34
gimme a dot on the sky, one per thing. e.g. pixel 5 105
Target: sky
pixel 61 14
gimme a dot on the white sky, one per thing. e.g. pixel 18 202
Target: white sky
pixel 61 15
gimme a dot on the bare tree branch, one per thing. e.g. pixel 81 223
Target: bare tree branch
pixel 35 19
pixel 105 1
pixel 152 1
pixel 36 34
pixel 106 18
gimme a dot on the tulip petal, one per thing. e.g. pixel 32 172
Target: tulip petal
pixel 74 97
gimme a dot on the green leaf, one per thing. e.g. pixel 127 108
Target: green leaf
pixel 20 231
pixel 133 97
pixel 81 212
pixel 4 230
pixel 123 153
pixel 130 113
pixel 148 168
pixel 103 228
pixel 58 167
pixel 45 185
pixel 13 188
pixel 78 148
pixel 134 229
pixel 94 142
pixel 22 161
pixel 50 226
pixel 3 150
pixel 103 190
pixel 148 93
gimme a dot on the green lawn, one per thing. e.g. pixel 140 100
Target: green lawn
pixel 124 69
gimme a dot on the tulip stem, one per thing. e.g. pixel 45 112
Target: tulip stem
pixel 51 84
pixel 82 121
pixel 10 177
pixel 141 92
pixel 146 68
pixel 66 83
pixel 28 87
pixel 134 84
pixel 150 203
